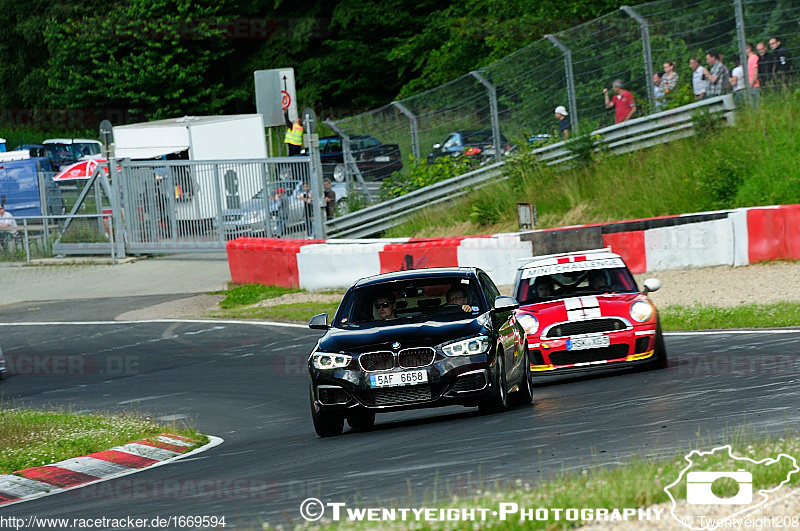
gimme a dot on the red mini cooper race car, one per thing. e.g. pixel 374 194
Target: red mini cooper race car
pixel 583 311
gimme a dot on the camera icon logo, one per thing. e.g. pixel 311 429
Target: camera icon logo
pixel 698 488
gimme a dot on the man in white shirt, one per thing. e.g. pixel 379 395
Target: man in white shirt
pixel 699 82
pixel 7 227
pixel 737 80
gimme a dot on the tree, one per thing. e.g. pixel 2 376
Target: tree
pixel 154 59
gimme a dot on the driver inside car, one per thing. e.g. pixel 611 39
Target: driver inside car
pixel 543 287
pixel 456 296
pixel 598 281
pixel 385 306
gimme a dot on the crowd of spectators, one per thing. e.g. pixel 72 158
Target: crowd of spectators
pixel 769 69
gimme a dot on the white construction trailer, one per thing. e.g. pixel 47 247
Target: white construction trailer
pixel 189 142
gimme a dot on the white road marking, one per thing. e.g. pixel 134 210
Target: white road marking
pixel 144 398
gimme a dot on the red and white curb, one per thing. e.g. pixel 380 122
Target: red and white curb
pixel 39 481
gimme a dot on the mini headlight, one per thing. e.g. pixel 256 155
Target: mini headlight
pixel 641 311
pixel 330 360
pixel 529 323
pixel 467 347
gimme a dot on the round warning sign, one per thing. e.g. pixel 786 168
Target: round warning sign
pixel 286 100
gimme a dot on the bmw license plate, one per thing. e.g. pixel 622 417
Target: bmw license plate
pixel 393 379
pixel 382 158
pixel 581 343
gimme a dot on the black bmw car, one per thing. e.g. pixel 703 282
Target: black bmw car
pixel 415 339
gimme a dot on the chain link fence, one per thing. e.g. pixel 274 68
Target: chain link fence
pixel 572 68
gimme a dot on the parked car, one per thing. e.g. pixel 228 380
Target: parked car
pixel 582 311
pixel 475 143
pixel 448 337
pixel 287 211
pixel 88 148
pixel 374 159
pixel 60 155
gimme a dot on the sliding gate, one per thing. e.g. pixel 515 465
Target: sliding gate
pixel 184 206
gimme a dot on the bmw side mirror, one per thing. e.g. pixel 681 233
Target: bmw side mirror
pixel 504 303
pixel 319 322
pixel 651 284
pixel 437 146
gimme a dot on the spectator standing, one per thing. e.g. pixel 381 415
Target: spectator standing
pixel 737 80
pixel 308 203
pixel 7 227
pixel 781 60
pixel 752 72
pixel 718 77
pixel 699 82
pixel 564 125
pixel 765 65
pixel 658 79
pixel 669 81
pixel 294 135
pixel 623 101
pixel 330 199
pixel 281 211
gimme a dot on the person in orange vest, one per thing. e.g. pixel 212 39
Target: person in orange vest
pixel 294 135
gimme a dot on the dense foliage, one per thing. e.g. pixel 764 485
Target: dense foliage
pixel 151 59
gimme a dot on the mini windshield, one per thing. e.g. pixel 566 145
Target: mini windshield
pixel 575 284
pixel 416 300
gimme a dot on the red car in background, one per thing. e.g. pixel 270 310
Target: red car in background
pixel 583 311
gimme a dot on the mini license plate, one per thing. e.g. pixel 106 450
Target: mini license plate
pixel 581 343
pixel 393 379
pixel 382 159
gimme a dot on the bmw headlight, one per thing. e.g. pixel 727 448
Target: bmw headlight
pixel 529 323
pixel 330 360
pixel 467 347
pixel 641 311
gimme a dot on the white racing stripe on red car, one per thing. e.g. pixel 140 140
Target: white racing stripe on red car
pixel 579 308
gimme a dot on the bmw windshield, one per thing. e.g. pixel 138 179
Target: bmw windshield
pixel 440 299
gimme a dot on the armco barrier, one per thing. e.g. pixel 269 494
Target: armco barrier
pixel 736 237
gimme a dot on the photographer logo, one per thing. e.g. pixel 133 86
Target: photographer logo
pixel 699 488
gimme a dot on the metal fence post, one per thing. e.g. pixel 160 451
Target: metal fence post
pixel 648 56
pixel 742 39
pixel 498 155
pixel 318 193
pixel 573 102
pixel 116 207
pixel 414 127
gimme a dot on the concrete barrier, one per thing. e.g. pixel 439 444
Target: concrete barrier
pixel 736 237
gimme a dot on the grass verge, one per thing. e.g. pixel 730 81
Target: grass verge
pixel 703 317
pixel 300 311
pixel 41 437
pixel 640 482
pixel 248 294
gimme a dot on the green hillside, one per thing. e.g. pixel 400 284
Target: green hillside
pixel 754 163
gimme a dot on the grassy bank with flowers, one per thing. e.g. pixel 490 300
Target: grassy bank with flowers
pixel 40 437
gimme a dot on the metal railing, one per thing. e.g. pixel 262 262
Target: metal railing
pixel 378 218
pixel 628 136
pixel 640 133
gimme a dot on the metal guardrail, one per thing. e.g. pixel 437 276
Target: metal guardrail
pixel 628 136
pixel 640 133
pixel 377 218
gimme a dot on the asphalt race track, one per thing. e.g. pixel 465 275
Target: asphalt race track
pixel 246 383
